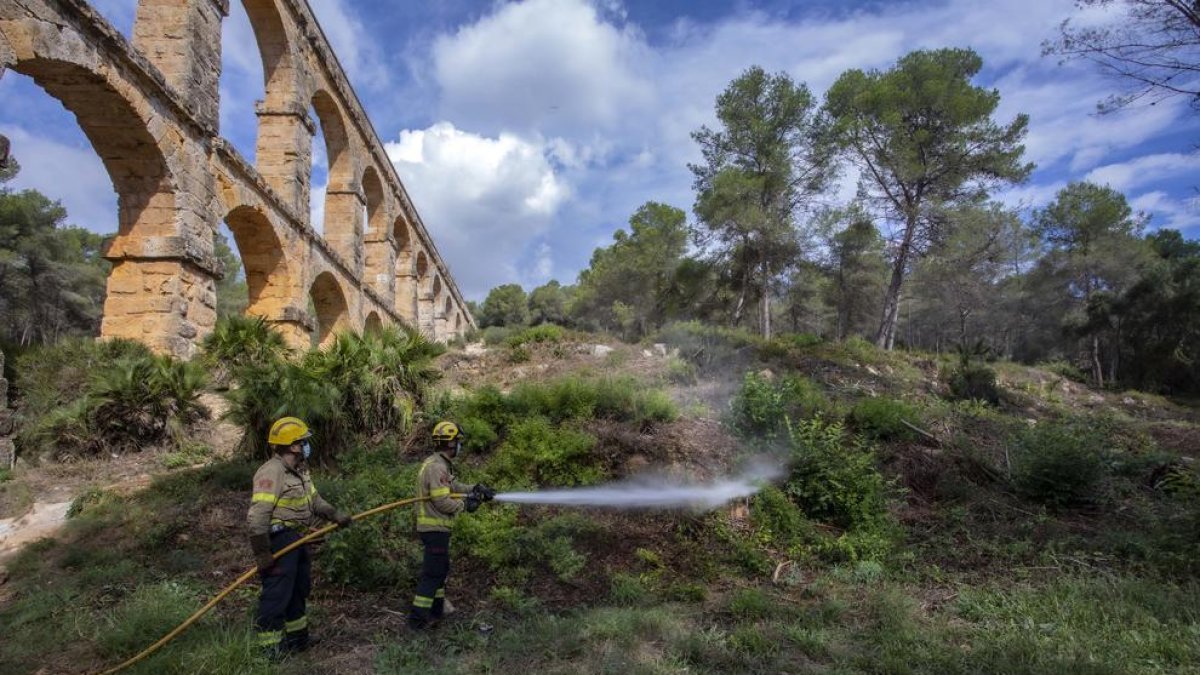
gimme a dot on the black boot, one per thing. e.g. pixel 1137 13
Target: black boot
pixel 297 641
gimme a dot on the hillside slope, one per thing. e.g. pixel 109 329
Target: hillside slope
pixel 912 532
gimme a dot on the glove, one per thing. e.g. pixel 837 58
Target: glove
pixel 485 493
pixel 471 503
pixel 261 545
pixel 343 520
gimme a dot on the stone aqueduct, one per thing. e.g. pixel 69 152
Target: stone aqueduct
pixel 150 110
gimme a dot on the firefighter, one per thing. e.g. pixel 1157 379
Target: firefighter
pixel 284 503
pixel 434 519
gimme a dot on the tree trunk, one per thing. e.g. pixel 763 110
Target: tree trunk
pixel 1097 367
pixel 886 337
pixel 766 301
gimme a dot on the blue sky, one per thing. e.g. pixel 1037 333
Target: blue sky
pixel 527 132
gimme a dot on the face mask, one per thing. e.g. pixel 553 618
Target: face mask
pixel 306 448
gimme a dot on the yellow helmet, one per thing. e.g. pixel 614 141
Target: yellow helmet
pixel 445 431
pixel 288 430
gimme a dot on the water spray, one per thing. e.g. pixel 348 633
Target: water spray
pixel 646 492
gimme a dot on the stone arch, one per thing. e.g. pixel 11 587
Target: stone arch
pixel 374 197
pixel 425 296
pixel 148 217
pixel 458 322
pixel 269 278
pixel 448 308
pixel 329 303
pixel 437 286
pixel 373 323
pixel 283 150
pixel 406 280
pixel 343 227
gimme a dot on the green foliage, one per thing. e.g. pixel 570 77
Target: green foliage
pixel 514 551
pixel 543 334
pixel 764 405
pixel 141 618
pixel 883 418
pixel 116 396
pixel 680 371
pixel 504 306
pixel 238 341
pixel 764 162
pixel 1060 465
pixel 233 294
pixel 835 479
pixel 538 454
pixel 974 382
pixel 710 347
pixel 625 288
pixel 923 129
pixel 549 303
pixel 1065 369
pixel 578 398
pixel 779 519
pixel 52 276
pixel 361 385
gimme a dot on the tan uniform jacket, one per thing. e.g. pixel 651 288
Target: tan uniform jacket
pixel 284 496
pixel 436 480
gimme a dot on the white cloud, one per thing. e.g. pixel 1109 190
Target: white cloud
pixel 484 199
pixel 1169 212
pixel 1144 170
pixel 551 65
pixel 88 196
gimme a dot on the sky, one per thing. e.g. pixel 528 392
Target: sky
pixel 527 132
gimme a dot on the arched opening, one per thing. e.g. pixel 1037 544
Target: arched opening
pixel 449 307
pixel 119 131
pixel 376 214
pixel 373 324
pixel 342 220
pixel 458 323
pixel 280 145
pixel 329 305
pixel 424 295
pixel 268 279
pixel 437 286
pixel 380 254
pixel 406 287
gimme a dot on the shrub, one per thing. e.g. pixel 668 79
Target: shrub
pixel 1058 464
pixel 834 477
pixel 575 398
pixel 543 334
pixel 496 335
pixel 974 382
pixel 538 454
pixel 764 405
pixel 1064 369
pixel 774 515
pixel 883 418
pixel 53 376
pixel 680 371
pixel 127 402
pixel 710 347
pixel 360 385
pixel 518 354
pixel 238 341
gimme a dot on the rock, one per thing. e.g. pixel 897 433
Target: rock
pixel 872 371
pixel 475 349
pixel 1128 401
pixel 660 349
pixel 1096 398
pixel 647 354
pixel 767 374
pixel 600 351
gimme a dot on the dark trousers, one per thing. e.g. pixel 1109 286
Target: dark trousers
pixel 281 606
pixel 430 599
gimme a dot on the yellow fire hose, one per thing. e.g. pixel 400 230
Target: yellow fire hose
pixel 250 573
